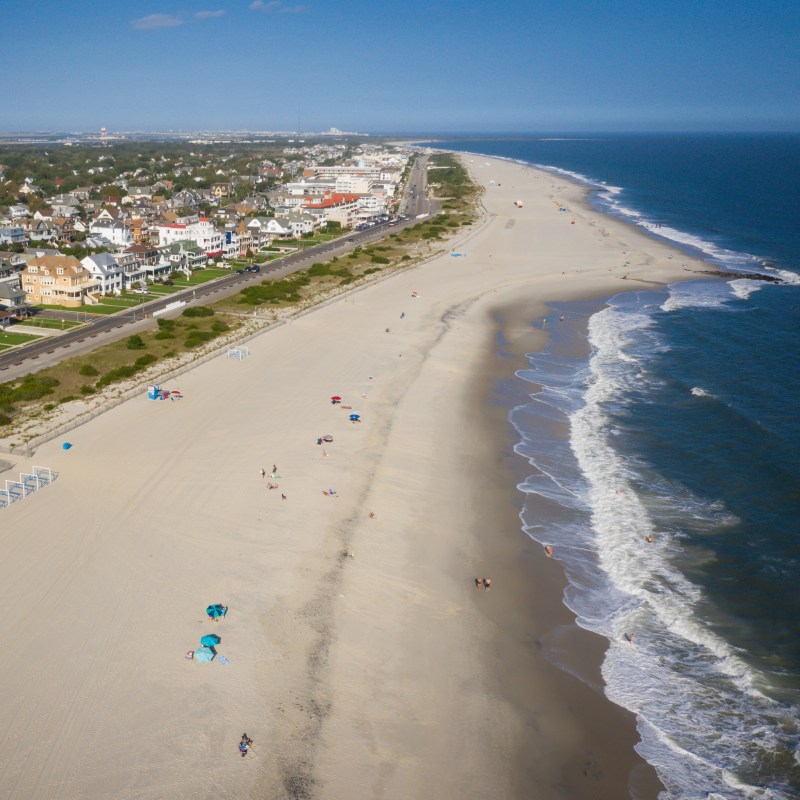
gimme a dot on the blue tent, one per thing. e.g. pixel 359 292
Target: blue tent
pixel 204 655
pixel 210 639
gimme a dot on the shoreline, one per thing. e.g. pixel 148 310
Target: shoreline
pixel 362 660
pixel 530 610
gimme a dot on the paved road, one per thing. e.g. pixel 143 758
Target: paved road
pixel 416 200
pixel 54 349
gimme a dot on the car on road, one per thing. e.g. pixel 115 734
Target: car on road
pixel 351 240
pixel 253 268
pixel 240 271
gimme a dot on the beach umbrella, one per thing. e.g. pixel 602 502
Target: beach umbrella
pixel 210 639
pixel 336 397
pixel 204 655
pixel 327 438
pixel 216 610
pixel 354 417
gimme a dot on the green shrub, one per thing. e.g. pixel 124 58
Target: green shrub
pixel 67 398
pixel 49 406
pixel 371 270
pixel 135 342
pixel 115 375
pixel 88 371
pixel 406 258
pixel 4 420
pixel 218 326
pixel 165 324
pixel 198 311
pixel 197 338
pixel 145 361
pixel 164 335
pixel 32 387
pixel 87 388
pixel 379 259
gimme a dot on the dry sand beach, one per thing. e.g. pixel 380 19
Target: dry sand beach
pixel 363 662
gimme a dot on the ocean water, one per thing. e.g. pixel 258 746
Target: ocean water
pixel 683 425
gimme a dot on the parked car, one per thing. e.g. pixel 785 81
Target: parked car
pixel 253 268
pixel 240 271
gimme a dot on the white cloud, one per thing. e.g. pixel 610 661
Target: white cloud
pixel 155 21
pixel 220 12
pixel 276 7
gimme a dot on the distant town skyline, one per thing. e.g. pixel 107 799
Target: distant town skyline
pixel 436 67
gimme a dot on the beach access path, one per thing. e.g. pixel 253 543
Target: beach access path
pixel 362 661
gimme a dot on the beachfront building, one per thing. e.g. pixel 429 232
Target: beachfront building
pixel 341 208
pixel 203 233
pixel 12 296
pixel 184 252
pixel 107 272
pixel 264 230
pixel 300 223
pixel 57 280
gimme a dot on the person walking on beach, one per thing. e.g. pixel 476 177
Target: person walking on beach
pixel 478 583
pixel 244 744
pixel 263 472
pixel 487 583
pixel 274 470
pixel 283 496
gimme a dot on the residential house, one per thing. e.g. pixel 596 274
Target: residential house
pixel 12 296
pixel 265 229
pixel 222 189
pixel 145 254
pixel 81 193
pixel 44 230
pixel 117 232
pixel 186 198
pixel 58 280
pixel 27 187
pixel 106 271
pixel 301 223
pixel 13 235
pixel 202 232
pixel 186 252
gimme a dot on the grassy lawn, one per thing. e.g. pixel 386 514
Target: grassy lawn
pixel 55 324
pixel 16 338
pixel 201 276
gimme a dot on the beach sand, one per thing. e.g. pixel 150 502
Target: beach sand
pixel 363 661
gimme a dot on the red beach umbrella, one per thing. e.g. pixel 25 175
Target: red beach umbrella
pixel 336 397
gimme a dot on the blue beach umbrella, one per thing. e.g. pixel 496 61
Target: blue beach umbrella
pixel 204 655
pixel 354 417
pixel 215 610
pixel 210 639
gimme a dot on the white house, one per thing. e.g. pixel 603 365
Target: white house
pixel 208 238
pixel 115 231
pixel 106 271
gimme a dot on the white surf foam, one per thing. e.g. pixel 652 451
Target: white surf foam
pixel 696 700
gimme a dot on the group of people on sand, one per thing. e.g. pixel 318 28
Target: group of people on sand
pixel 485 583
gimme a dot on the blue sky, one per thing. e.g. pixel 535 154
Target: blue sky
pixel 412 66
